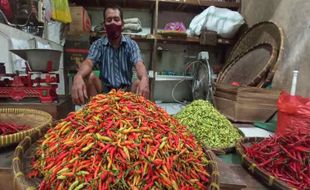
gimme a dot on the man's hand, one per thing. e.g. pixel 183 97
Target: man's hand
pixel 79 90
pixel 143 88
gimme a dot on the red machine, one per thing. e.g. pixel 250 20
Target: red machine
pixel 40 80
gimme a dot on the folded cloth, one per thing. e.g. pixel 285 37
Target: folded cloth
pixel 130 27
pixel 132 20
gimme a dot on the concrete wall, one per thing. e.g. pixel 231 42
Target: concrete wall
pixel 294 18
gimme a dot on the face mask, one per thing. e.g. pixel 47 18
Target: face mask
pixel 113 31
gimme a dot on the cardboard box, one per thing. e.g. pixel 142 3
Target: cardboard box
pixel 246 104
pixel 80 21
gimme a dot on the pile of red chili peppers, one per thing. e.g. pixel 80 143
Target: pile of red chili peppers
pixel 285 157
pixel 10 128
pixel 120 141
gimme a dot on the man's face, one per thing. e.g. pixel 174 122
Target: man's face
pixel 112 16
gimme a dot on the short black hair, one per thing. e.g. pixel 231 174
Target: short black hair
pixel 112 6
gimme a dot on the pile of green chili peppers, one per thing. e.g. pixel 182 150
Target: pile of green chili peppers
pixel 208 125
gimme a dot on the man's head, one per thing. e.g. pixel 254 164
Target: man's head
pixel 112 13
pixel 113 21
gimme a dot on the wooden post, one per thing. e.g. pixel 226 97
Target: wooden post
pixel 154 50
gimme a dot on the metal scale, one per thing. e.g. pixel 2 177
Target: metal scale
pixel 41 78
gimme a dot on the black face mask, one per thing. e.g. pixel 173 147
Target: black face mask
pixel 113 31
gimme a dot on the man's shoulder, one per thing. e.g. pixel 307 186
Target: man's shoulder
pixel 101 41
pixel 129 41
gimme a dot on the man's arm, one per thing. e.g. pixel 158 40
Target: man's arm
pixel 79 89
pixel 143 88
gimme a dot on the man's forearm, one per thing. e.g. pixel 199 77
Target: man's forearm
pixel 141 71
pixel 85 68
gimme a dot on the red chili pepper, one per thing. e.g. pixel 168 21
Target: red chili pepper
pixel 284 157
pixel 146 148
pixel 10 128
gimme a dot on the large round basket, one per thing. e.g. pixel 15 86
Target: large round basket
pixel 266 32
pixel 36 119
pixel 251 67
pixel 262 174
pixel 25 150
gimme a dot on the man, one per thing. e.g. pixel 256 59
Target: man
pixel 115 55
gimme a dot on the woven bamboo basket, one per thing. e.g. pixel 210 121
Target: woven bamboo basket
pixel 25 151
pixel 252 67
pixel 262 174
pixel 263 32
pixel 34 118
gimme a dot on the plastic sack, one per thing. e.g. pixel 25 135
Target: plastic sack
pixel 293 115
pixel 47 4
pixel 175 26
pixel 61 11
pixel 223 21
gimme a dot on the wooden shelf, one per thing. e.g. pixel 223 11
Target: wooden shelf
pixel 163 39
pixel 143 4
pixel 178 5
pixel 191 40
pixel 205 3
pixel 172 77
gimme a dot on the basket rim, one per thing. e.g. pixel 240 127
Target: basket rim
pixel 21 134
pixel 251 167
pixel 253 27
pixel 17 165
pixel 214 174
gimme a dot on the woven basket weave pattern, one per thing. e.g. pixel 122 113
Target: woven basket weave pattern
pixel 36 119
pixel 263 32
pixel 250 165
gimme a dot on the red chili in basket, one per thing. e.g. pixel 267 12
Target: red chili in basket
pixel 285 157
pixel 10 128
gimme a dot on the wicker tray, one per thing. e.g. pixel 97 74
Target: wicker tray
pixel 263 175
pixel 263 32
pixel 251 67
pixel 34 118
pixel 24 152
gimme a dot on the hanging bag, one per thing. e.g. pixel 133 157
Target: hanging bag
pixel 293 115
pixel 61 11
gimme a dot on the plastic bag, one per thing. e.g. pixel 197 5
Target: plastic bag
pixel 293 115
pixel 61 11
pixel 6 8
pixel 176 26
pixel 223 21
pixel 47 4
